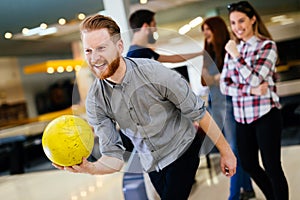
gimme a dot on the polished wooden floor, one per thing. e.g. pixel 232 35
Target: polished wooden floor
pixel 60 185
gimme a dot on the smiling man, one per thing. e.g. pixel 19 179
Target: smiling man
pixel 153 106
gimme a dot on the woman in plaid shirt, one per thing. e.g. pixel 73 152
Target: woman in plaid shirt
pixel 248 76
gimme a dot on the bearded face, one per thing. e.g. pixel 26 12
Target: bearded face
pixel 102 52
pixel 111 69
pixel 151 39
pixel 152 29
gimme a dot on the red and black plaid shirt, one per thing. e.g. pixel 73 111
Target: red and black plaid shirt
pixel 255 65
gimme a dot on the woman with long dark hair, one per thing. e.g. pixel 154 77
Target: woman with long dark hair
pixel 216 36
pixel 248 76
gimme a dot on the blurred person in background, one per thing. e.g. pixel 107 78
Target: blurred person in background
pixel 248 77
pixel 143 25
pixel 216 36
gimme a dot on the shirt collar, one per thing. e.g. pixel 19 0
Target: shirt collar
pixel 252 41
pixel 127 76
pixel 110 84
pixel 129 67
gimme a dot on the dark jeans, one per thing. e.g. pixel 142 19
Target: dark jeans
pixel 264 134
pixel 175 181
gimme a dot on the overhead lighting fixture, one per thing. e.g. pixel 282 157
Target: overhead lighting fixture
pixel 25 30
pixel 69 68
pixel 43 25
pixel 195 22
pixel 48 31
pixel 282 19
pixel 50 70
pixel 8 35
pixel 192 24
pixel 81 16
pixel 39 31
pixel 52 66
pixel 278 18
pixel 287 21
pixel 184 29
pixel 62 21
pixel 33 31
pixel 143 1
pixel 60 69
pixel 77 68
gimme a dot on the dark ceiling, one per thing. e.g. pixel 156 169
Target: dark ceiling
pixel 15 14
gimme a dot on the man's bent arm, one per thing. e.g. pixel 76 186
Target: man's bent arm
pixel 228 160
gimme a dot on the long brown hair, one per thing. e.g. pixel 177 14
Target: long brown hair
pixel 221 35
pixel 259 28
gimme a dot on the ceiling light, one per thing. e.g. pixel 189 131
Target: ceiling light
pixel 278 18
pixel 25 30
pixel 69 68
pixel 81 16
pixel 43 25
pixel 48 31
pixel 77 68
pixel 143 1
pixel 32 31
pixel 51 66
pixel 50 70
pixel 60 69
pixel 40 31
pixel 8 35
pixel 287 21
pixel 195 22
pixel 184 29
pixel 282 19
pixel 62 21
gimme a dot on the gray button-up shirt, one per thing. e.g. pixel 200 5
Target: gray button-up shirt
pixel 154 106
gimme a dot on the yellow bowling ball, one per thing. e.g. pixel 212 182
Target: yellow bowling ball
pixel 67 139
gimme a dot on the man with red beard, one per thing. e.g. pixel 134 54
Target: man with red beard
pixel 153 106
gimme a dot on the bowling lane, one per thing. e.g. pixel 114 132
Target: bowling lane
pixel 55 184
pixel 62 185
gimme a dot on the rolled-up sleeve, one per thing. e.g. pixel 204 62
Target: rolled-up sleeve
pixel 110 142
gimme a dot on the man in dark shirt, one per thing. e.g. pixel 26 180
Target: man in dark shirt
pixel 143 25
